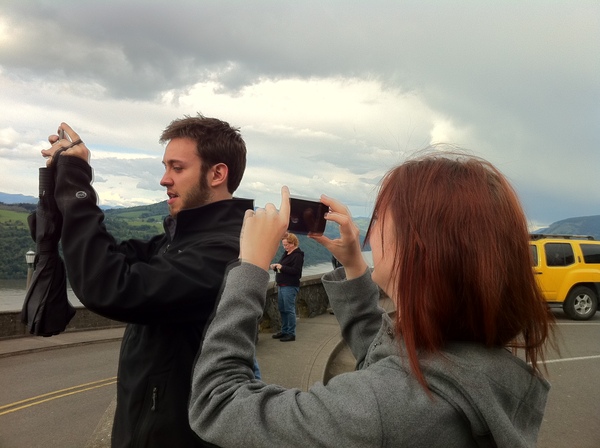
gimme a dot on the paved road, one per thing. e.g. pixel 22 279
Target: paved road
pixel 572 418
pixel 55 398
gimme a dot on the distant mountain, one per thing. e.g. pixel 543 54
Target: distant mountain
pixel 144 221
pixel 583 225
pixel 141 222
pixel 8 198
pixel 15 237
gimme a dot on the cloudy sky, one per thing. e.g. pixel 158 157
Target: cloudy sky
pixel 328 94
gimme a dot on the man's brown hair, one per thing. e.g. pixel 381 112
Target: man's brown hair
pixel 216 142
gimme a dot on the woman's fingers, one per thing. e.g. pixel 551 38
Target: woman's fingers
pixel 346 248
pixel 284 208
pixel 262 231
pixel 335 205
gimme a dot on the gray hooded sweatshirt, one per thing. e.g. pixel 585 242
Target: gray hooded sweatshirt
pixel 480 397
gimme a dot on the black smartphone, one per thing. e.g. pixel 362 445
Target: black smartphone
pixel 307 216
pixel 61 134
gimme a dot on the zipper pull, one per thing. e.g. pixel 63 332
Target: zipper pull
pixel 154 395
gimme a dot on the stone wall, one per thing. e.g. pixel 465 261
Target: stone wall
pixel 311 302
pixel 84 319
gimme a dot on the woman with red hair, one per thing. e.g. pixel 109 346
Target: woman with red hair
pixel 450 248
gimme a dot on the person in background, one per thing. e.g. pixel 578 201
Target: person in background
pixel 165 288
pixel 288 272
pixel 451 248
pixel 256 370
pixel 336 264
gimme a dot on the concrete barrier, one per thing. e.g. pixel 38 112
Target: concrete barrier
pixel 311 301
pixel 84 319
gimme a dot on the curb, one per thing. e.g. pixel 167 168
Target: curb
pixel 57 347
pixel 316 367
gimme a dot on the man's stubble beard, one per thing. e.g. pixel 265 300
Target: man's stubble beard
pixel 199 196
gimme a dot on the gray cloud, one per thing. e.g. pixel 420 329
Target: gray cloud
pixel 517 82
pixel 145 172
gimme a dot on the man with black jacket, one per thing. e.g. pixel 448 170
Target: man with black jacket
pixel 165 288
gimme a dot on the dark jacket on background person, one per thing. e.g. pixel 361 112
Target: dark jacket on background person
pixel 164 288
pixel 291 268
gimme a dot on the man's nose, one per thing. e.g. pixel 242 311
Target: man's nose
pixel 166 180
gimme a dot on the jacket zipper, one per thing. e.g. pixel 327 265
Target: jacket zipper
pixel 154 396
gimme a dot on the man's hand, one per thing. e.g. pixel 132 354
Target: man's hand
pixel 262 231
pixel 72 145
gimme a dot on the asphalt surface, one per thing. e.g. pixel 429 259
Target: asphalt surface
pixel 59 391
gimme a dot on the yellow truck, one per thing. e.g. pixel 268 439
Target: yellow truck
pixel 567 268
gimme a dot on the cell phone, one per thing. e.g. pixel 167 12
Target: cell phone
pixel 61 134
pixel 307 216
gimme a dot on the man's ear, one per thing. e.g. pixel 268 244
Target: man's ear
pixel 217 175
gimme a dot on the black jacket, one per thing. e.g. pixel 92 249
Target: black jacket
pixel 291 268
pixel 164 288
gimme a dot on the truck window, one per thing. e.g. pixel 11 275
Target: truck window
pixel 591 253
pixel 559 254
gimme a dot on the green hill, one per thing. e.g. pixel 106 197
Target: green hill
pixel 15 240
pixel 141 222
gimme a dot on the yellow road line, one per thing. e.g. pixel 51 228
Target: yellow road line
pixel 57 394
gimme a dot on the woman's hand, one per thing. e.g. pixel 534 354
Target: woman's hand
pixel 71 143
pixel 346 248
pixel 263 230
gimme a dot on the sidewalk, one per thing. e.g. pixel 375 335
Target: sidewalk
pixel 317 354
pixel 299 364
pixel 291 364
pixel 30 344
pixel 303 362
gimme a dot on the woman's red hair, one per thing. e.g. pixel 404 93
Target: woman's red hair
pixel 462 264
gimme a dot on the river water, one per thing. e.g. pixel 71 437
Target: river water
pixel 12 295
pixel 12 292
